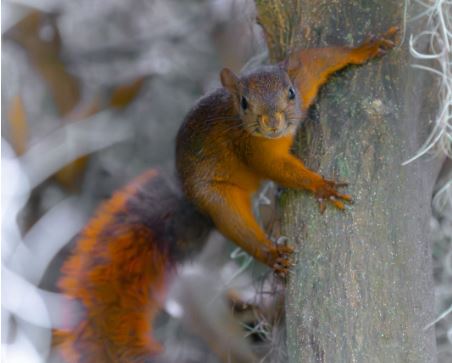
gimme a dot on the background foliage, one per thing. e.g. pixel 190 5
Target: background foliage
pixel 93 92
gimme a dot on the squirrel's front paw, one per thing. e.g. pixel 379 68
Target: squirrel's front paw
pixel 378 45
pixel 281 260
pixel 327 192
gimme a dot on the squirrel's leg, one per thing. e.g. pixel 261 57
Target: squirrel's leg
pixel 310 68
pixel 290 172
pixel 231 211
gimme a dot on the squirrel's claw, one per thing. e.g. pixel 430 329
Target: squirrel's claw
pixel 282 260
pixel 376 46
pixel 328 192
pixel 338 204
pixel 322 205
pixel 391 31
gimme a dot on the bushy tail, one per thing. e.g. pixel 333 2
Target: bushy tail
pixel 118 273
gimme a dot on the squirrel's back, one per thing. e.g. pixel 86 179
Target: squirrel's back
pixel 119 269
pixel 206 125
pixel 210 143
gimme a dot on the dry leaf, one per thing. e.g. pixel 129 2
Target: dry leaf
pixel 124 94
pixel 44 55
pixel 17 119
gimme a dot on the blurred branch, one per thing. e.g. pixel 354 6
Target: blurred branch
pixel 32 304
pixel 69 143
pixel 56 227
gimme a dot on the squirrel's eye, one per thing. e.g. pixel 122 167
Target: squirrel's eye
pixel 291 94
pixel 243 103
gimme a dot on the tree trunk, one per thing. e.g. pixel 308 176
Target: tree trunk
pixel 362 288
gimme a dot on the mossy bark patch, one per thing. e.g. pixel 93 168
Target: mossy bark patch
pixel 361 290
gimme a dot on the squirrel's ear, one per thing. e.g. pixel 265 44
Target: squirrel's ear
pixel 284 65
pixel 229 80
pixel 291 63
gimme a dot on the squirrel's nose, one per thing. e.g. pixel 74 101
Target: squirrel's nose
pixel 279 119
pixel 273 122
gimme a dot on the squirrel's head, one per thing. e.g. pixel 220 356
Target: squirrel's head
pixel 266 100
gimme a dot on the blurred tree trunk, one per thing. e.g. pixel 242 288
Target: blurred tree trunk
pixel 362 289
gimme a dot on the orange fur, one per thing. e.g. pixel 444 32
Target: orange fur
pixel 120 266
pixel 242 134
pixel 119 276
pixel 310 68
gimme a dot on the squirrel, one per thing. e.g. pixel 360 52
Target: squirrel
pixel 233 139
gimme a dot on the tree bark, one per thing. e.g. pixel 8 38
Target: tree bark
pixel 362 288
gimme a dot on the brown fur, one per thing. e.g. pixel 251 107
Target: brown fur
pixel 124 257
pixel 120 268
